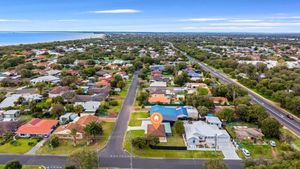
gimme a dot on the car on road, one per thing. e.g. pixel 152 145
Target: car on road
pixel 272 143
pixel 246 152
pixel 290 117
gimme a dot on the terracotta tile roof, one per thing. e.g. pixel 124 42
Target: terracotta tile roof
pixel 84 120
pixel 152 131
pixel 102 83
pixel 79 124
pixel 37 126
pixel 159 98
pixel 221 100
pixel 59 89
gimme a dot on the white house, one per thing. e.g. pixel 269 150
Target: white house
pixel 10 101
pixel 10 115
pixel 90 107
pixel 213 121
pixel 199 133
pixel 49 79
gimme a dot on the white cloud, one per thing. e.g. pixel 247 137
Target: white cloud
pixel 258 24
pixel 13 20
pixel 202 19
pixel 284 17
pixel 246 20
pixel 116 11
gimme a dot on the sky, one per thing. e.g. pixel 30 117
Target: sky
pixel 270 16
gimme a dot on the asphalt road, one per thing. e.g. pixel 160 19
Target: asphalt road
pixel 276 112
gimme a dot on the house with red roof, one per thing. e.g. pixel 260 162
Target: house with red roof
pixel 159 132
pixel 64 131
pixel 37 128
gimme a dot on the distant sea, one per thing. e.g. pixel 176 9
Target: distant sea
pixel 16 38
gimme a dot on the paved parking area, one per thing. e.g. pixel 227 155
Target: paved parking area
pixel 228 150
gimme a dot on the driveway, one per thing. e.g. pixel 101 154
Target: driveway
pixel 36 147
pixel 228 150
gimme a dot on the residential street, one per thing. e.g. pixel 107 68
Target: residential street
pixel 113 155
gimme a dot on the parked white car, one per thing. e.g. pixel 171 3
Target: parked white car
pixel 246 152
pixel 272 143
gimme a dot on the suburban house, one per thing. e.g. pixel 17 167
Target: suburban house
pixel 9 115
pixel 199 134
pixel 67 117
pixel 10 101
pixel 220 100
pixel 157 67
pixel 37 128
pixel 158 84
pixel 58 91
pixel 90 107
pixel 159 132
pixel 213 121
pixel 245 133
pixel 173 113
pixel 64 131
pixel 48 79
pixel 170 114
pixel 159 98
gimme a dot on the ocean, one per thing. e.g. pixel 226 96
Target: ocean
pixel 15 38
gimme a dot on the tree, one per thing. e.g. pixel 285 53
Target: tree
pixel 74 135
pixel 181 79
pixel 179 128
pixel 121 84
pixel 153 140
pixel 139 142
pixel 271 128
pixel 215 164
pixel 57 109
pixel 202 91
pixel 142 98
pixel 226 114
pixel 78 109
pixel 202 110
pixel 40 86
pixel 13 165
pixel 93 129
pixel 54 142
pixel 84 159
pixel 197 100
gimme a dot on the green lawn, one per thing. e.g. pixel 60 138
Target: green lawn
pixel 25 117
pixel 166 153
pixel 134 118
pixel 21 148
pixel 175 140
pixel 27 167
pixel 258 151
pixel 66 146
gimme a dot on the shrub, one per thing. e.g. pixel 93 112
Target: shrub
pixel 113 103
pixel 152 140
pixel 31 143
pixel 14 143
pixel 139 142
pixel 54 142
pixel 13 165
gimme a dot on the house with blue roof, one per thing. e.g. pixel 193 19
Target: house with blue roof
pixel 170 114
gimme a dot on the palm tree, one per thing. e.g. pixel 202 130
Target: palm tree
pixel 93 129
pixel 74 135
